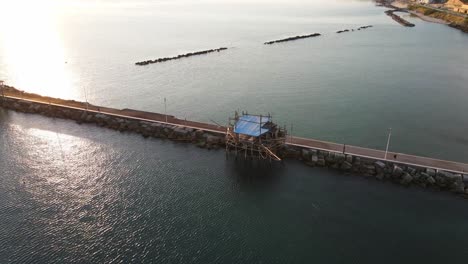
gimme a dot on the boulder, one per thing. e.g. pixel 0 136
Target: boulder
pixel 330 158
pixel 88 118
pixel 181 133
pixel 346 166
pixel 431 172
pixel 431 180
pixel 406 179
pixel 314 158
pixel 423 176
pixel 321 162
pixel 411 170
pixel 448 177
pixel 457 187
pixel 349 158
pixel 417 177
pixel 357 160
pixel 339 157
pixel 465 179
pixel 305 154
pixel 379 165
pixel 397 171
pixel 293 152
pixel 440 180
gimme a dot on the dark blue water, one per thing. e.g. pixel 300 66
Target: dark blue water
pixel 83 194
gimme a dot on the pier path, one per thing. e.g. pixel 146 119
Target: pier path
pixel 401 158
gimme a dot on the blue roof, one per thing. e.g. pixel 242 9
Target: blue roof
pixel 251 125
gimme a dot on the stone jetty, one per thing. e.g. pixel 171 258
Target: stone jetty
pixel 347 30
pixel 381 170
pixel 364 27
pixel 397 18
pixel 292 38
pixel 453 179
pixel 143 63
pixel 203 138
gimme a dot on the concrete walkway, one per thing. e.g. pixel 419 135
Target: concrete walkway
pixel 379 154
pixel 401 158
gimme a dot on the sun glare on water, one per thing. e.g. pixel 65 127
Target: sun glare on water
pixel 31 48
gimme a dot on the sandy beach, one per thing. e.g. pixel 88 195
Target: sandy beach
pixel 404 5
pixel 428 19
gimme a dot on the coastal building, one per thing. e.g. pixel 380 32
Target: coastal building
pixel 254 136
pixel 460 6
pixel 461 9
pixel 428 1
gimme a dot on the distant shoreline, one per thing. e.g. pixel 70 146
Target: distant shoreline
pixel 427 14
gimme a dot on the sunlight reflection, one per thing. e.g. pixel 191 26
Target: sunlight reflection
pixel 32 49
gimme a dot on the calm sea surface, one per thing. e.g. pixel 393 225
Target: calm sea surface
pixel 71 193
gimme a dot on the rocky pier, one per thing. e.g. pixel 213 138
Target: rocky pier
pixel 380 170
pixel 213 137
pixel 397 18
pixel 292 38
pixel 190 54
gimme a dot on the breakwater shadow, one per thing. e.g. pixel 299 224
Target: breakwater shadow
pixel 254 174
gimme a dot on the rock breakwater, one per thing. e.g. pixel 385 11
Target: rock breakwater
pixel 347 30
pixel 202 136
pixel 380 170
pixel 397 18
pixel 190 54
pixel 292 38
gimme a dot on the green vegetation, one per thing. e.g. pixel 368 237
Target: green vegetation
pixel 429 12
pixel 450 18
pixel 466 21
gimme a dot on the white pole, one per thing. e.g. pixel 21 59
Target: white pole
pixel 165 108
pixel 290 138
pixel 86 98
pixel 344 145
pixel 388 142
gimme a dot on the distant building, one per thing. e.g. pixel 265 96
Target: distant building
pixel 461 9
pixel 460 6
pixel 428 1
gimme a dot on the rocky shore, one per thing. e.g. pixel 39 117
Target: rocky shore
pixel 292 38
pixel 143 63
pixel 463 28
pixel 210 139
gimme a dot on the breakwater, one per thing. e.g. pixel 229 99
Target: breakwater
pixel 360 28
pixel 292 38
pixel 190 54
pixel 397 18
pixel 382 170
pixel 463 28
pixel 452 179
